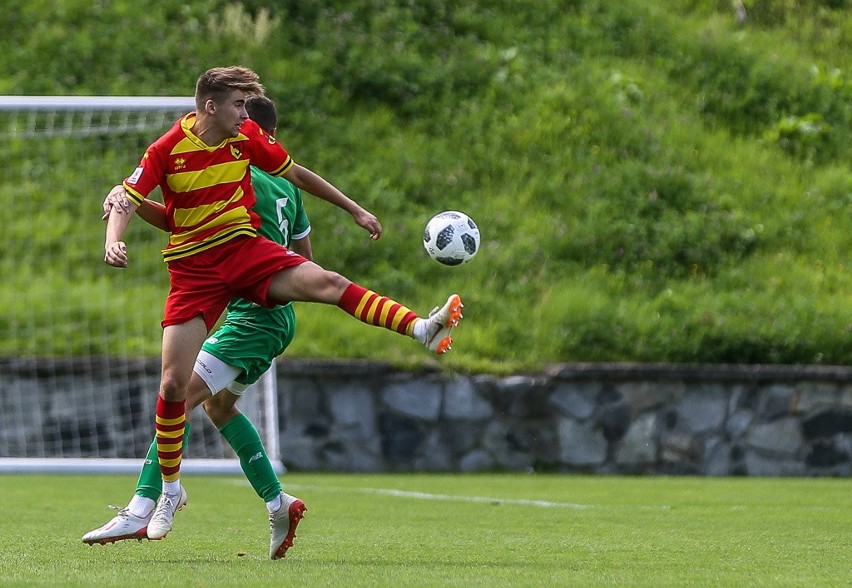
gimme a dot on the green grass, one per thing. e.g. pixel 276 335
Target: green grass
pixel 445 530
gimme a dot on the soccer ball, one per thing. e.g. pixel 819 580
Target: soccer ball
pixel 451 238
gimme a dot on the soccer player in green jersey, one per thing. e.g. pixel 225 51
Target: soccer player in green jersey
pixel 233 358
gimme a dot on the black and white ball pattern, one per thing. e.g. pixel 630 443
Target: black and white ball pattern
pixel 451 238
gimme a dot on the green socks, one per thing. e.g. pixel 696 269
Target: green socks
pixel 243 437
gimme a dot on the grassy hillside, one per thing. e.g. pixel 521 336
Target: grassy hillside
pixel 653 181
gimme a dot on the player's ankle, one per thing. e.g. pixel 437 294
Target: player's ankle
pixel 275 504
pixel 141 506
pixel 418 333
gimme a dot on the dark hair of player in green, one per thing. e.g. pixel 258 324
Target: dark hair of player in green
pixel 262 111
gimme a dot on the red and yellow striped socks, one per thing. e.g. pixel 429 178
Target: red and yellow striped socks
pixel 170 424
pixel 370 308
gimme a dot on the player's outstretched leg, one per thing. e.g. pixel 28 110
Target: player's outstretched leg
pixel 374 309
pixel 283 523
pixel 434 332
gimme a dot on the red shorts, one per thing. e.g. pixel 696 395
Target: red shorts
pixel 204 283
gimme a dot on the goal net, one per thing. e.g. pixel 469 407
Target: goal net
pixel 79 340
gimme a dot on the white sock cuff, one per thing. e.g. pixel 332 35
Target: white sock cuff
pixel 275 504
pixel 140 506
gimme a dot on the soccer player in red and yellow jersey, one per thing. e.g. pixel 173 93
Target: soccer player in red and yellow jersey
pixel 214 253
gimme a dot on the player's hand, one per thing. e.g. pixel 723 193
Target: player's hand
pixel 368 220
pixel 116 254
pixel 117 199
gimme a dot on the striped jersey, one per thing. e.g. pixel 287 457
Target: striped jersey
pixel 207 190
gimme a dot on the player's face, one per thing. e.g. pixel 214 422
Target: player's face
pixel 231 113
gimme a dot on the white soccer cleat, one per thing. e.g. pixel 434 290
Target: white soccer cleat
pixel 164 514
pixel 440 322
pixel 282 525
pixel 122 526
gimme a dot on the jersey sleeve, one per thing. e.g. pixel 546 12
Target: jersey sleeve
pixel 301 223
pixel 145 177
pixel 266 152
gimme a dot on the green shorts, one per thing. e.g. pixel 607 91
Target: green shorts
pixel 250 340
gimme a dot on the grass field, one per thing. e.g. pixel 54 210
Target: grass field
pixel 444 530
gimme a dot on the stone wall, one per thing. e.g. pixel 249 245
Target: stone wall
pixel 603 418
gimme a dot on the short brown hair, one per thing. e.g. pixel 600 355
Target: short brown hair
pixel 216 83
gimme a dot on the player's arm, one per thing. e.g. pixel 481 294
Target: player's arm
pixel 151 212
pixel 154 214
pixel 302 247
pixel 115 249
pixel 315 184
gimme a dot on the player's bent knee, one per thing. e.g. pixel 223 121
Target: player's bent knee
pixel 330 286
pixel 198 394
pixel 218 413
pixel 172 389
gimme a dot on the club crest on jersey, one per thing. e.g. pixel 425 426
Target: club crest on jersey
pixel 236 152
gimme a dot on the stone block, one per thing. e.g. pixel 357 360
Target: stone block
pixel 717 457
pixel 639 445
pixel 463 402
pixel 757 464
pixel 434 455
pixel 477 460
pixel 614 420
pixel 401 438
pixel 643 396
pixel 781 438
pixel 679 446
pixel 581 444
pixel 299 453
pixel 776 402
pixel 813 396
pixel 827 423
pixel 846 396
pixel 702 409
pixel 738 423
pixel 352 406
pixel 826 453
pixel 419 399
pixel 575 399
pixel 459 437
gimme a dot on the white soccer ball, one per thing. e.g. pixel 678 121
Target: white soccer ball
pixel 451 238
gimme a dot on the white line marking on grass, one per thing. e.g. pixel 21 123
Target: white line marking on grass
pixel 444 497
pixel 485 499
pixel 437 497
pixel 456 498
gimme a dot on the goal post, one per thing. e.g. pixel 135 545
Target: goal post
pixel 80 341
